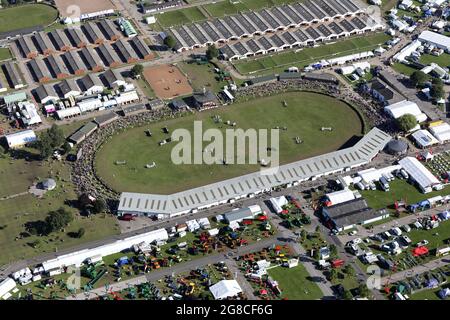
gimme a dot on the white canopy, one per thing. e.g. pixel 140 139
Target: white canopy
pixel 441 132
pixel 424 138
pixel 225 289
pixel 421 175
pixel 278 203
pixel 401 108
pixel 340 196
pixel 6 286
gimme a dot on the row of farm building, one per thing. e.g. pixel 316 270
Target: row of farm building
pixel 295 39
pixel 256 23
pixel 89 58
pixel 67 39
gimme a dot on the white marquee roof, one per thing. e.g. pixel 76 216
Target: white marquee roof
pixel 225 288
pixel 418 172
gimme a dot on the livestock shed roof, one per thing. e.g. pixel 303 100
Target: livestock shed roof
pixel 352 212
pixel 361 153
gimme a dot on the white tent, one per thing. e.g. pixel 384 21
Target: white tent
pixel 401 108
pixel 19 139
pixel 78 257
pixel 6 286
pixel 420 174
pixel 340 196
pixel 278 203
pixel 424 138
pixel 225 289
pixel 436 39
pixel 441 132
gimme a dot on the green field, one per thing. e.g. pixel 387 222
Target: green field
pixel 399 189
pixel 403 69
pixel 305 115
pixel 443 60
pixel 202 76
pixel 180 17
pixel 26 16
pixel 16 176
pixel 302 58
pixel 224 8
pixel 295 283
pixel 5 54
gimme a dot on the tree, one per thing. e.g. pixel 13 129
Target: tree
pixel 418 78
pixel 212 52
pixel 99 205
pixel 49 140
pixel 56 135
pixel 56 220
pixel 170 41
pixel 137 70
pixel 406 122
pixel 333 274
pixel 66 147
pixel 437 89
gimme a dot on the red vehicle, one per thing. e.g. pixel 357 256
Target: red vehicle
pixel 247 222
pixel 337 263
pixel 127 217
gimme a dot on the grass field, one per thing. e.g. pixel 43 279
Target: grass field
pixel 295 283
pixel 26 16
pixel 305 115
pixel 16 176
pixel 202 76
pixel 403 69
pixel 306 56
pixel 399 189
pixel 5 54
pixel 443 60
pixel 180 17
pixel 224 8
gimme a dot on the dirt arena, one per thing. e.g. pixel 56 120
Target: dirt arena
pixel 68 8
pixel 167 81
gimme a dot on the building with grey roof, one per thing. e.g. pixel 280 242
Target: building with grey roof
pixel 126 51
pixel 68 88
pixel 43 43
pixel 77 37
pixel 12 75
pixel 45 93
pixel 109 55
pixel 255 183
pixel 347 215
pixel 91 59
pixel 93 32
pixel 74 62
pixel 39 70
pixel 113 79
pixel 27 47
pixel 141 48
pixel 90 84
pixel 109 29
pixel 60 40
pixel 105 119
pixel 57 66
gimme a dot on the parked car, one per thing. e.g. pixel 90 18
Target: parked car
pixel 353 233
pixel 422 243
pixel 406 228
